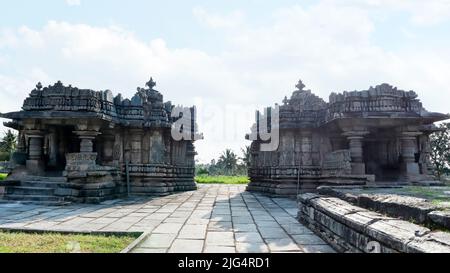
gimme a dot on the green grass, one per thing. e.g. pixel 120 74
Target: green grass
pixel 434 194
pixel 3 176
pixel 222 179
pixel 20 242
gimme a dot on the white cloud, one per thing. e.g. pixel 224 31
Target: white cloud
pixel 73 2
pixel 329 46
pixel 112 58
pixel 423 13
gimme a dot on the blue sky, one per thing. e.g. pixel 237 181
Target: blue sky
pixel 174 21
pixel 171 20
pixel 227 57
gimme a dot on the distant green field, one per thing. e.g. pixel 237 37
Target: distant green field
pixel 3 176
pixel 222 179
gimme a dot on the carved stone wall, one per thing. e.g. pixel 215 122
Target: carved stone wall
pixel 379 134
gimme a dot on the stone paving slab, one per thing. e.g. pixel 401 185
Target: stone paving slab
pixel 213 219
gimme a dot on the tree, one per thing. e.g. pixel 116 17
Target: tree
pixel 201 169
pixel 228 161
pixel 9 142
pixel 440 150
pixel 246 156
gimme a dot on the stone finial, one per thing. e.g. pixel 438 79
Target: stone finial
pixel 300 85
pixel 151 84
pixel 285 101
pixel 39 86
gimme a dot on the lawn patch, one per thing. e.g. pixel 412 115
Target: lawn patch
pixel 222 179
pixel 436 195
pixel 22 242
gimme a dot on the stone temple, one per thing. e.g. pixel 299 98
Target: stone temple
pixel 81 145
pixel 380 135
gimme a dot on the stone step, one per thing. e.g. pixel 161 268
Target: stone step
pixel 32 198
pixel 59 179
pixel 30 191
pixel 40 184
pixel 42 203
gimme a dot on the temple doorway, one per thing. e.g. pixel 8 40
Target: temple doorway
pixel 59 141
pixel 382 158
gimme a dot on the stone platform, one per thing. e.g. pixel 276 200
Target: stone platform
pixel 215 218
pixel 428 206
pixel 351 228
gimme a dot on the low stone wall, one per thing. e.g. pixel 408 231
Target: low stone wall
pixel 91 183
pixel 290 186
pixel 349 228
pixel 151 179
pixel 292 180
pixel 408 208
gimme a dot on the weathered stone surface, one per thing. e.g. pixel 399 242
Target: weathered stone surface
pixel 352 229
pixel 441 218
pixel 379 134
pixel 408 208
pixel 405 207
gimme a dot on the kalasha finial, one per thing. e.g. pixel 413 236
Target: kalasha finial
pixel 300 85
pixel 285 101
pixel 39 86
pixel 151 83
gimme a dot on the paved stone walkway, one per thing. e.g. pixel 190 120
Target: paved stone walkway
pixel 215 218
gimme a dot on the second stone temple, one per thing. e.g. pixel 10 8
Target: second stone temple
pixel 379 135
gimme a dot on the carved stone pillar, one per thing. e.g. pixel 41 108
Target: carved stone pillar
pixel 355 139
pixel 85 160
pixel 425 155
pixel 35 162
pixel 53 148
pixel 108 139
pixel 21 145
pixel 118 151
pixel 306 148
pixel 190 154
pixel 136 145
pixel 86 140
pixel 408 149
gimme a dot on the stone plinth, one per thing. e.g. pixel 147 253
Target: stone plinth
pixel 80 162
pixel 87 181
